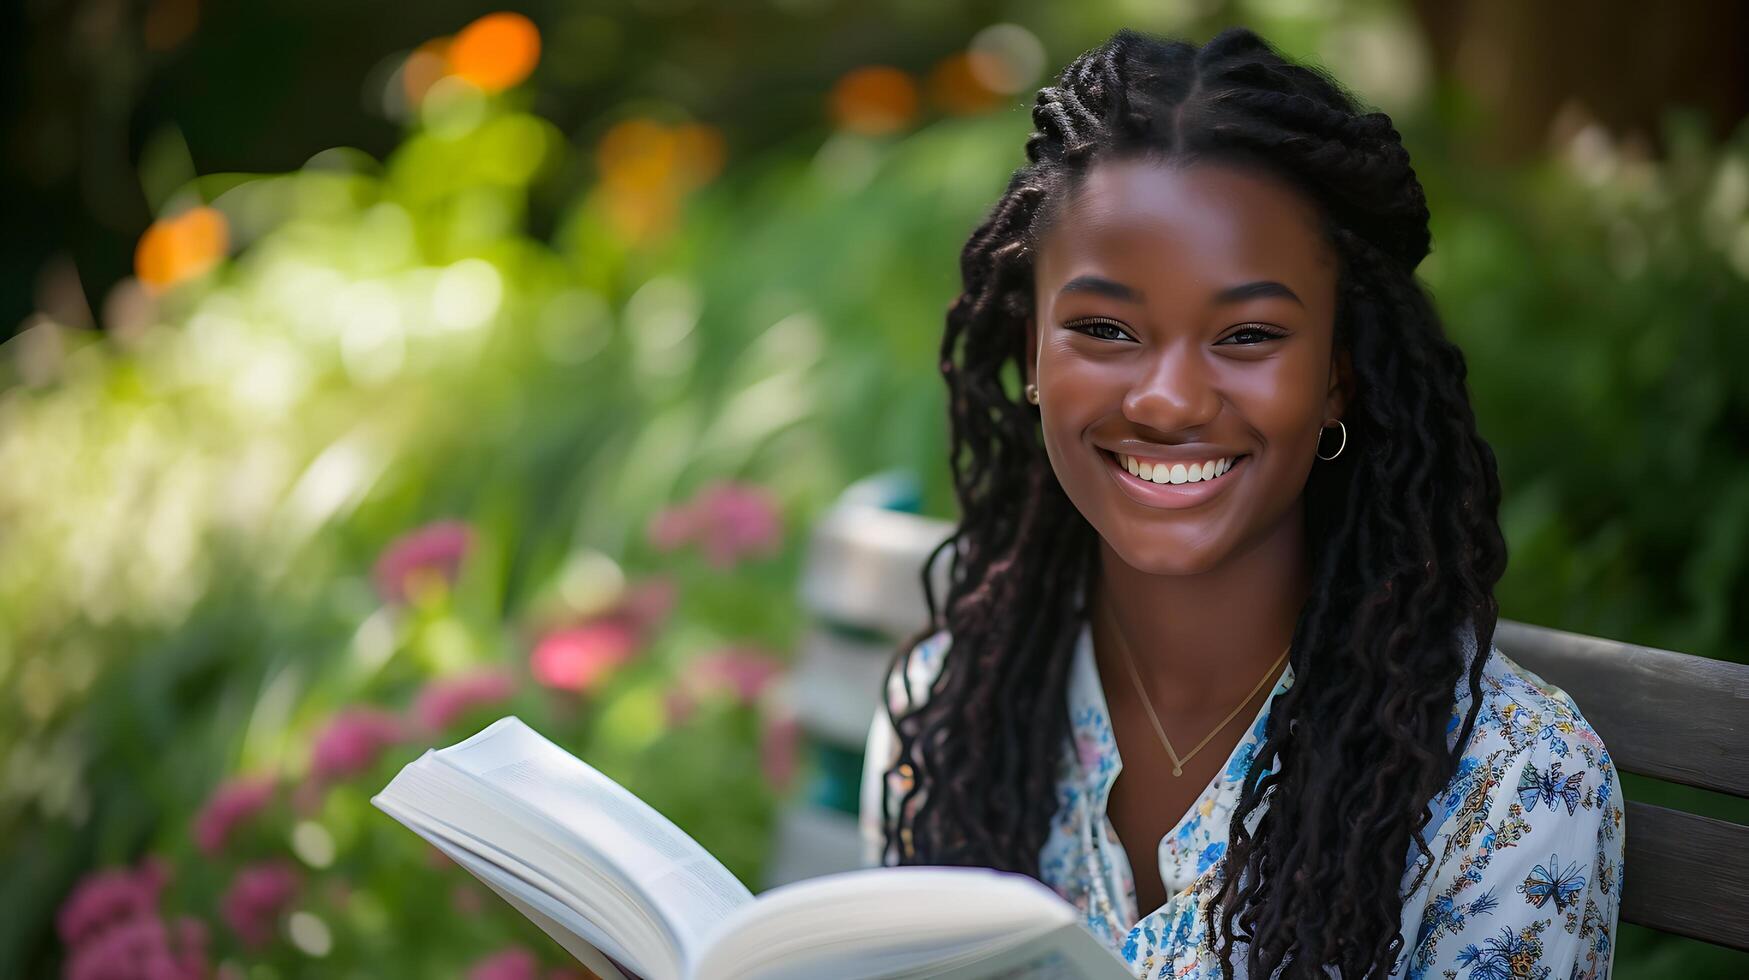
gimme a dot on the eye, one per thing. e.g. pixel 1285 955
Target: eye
pixel 1257 332
pixel 1090 324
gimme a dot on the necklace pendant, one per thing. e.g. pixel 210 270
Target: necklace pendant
pixel 1177 770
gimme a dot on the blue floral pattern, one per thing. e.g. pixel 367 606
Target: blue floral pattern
pixel 1527 836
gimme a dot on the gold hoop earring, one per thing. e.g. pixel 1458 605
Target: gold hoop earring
pixel 1032 393
pixel 1339 449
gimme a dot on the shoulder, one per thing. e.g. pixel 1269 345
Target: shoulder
pixel 1532 759
pixel 1524 712
pixel 1530 843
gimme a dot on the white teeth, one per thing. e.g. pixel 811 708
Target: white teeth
pixel 1176 472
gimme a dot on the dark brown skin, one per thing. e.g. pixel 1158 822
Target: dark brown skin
pixel 1206 596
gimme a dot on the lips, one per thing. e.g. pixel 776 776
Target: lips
pixel 1172 496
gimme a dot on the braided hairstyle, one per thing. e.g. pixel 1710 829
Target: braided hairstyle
pixel 1403 529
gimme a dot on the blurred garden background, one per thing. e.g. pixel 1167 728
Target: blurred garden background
pixel 374 370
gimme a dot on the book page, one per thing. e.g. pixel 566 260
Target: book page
pixel 969 923
pixel 448 807
pixel 688 887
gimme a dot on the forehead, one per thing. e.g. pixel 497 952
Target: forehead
pixel 1213 220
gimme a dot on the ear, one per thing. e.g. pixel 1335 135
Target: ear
pixel 1029 360
pixel 1341 387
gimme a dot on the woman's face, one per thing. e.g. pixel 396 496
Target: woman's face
pixel 1184 316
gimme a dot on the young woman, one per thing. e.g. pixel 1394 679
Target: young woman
pixel 1208 662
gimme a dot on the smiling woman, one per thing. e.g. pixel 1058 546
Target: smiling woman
pixel 1243 483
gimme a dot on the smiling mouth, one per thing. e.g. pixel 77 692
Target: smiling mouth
pixel 1158 489
pixel 1163 472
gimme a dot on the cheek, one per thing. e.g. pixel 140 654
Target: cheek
pixel 1079 393
pixel 1284 406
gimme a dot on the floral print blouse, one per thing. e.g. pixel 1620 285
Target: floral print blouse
pixel 1527 836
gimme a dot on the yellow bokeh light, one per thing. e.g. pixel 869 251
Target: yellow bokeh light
pixel 180 247
pixel 496 52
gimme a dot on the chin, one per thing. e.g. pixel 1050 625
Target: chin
pixel 1166 557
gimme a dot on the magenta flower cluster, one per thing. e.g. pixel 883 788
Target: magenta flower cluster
pixel 352 740
pixel 448 698
pixel 112 929
pixel 257 896
pixel 111 924
pixel 232 805
pixel 433 553
pixel 517 963
pixel 728 521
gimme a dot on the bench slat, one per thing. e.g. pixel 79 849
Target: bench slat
pixel 1668 715
pixel 1686 874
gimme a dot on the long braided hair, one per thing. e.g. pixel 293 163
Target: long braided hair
pixel 1403 529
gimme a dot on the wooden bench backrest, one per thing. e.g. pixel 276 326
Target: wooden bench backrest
pixel 1675 717
pixel 1671 716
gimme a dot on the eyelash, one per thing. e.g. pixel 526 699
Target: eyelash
pixel 1267 332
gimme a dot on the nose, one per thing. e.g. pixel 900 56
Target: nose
pixel 1174 390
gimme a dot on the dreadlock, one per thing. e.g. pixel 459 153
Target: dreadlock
pixel 1404 533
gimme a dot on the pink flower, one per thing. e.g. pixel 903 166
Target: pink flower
pixel 115 895
pixel 514 963
pixel 448 698
pixel 730 521
pixel 433 553
pixel 351 742
pixel 257 896
pixel 142 949
pixel 741 672
pixel 580 658
pixel 778 741
pixel 678 705
pixel 645 605
pixel 231 805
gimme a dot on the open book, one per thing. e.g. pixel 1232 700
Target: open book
pixel 631 895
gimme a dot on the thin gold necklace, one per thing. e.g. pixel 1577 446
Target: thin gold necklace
pixel 1148 704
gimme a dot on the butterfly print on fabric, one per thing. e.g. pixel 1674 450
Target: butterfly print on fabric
pixel 1549 787
pixel 1551 881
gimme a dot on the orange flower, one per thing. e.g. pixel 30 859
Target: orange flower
pixel 495 52
pixel 181 247
pixel 955 85
pixel 873 100
pixel 647 167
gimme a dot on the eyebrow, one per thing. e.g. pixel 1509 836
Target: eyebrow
pixel 1101 286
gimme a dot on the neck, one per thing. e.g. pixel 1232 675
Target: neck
pixel 1201 641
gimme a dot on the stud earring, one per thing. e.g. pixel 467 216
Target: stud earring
pixel 1032 393
pixel 1339 449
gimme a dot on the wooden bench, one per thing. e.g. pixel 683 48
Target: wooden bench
pixel 1675 717
pixel 1670 716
